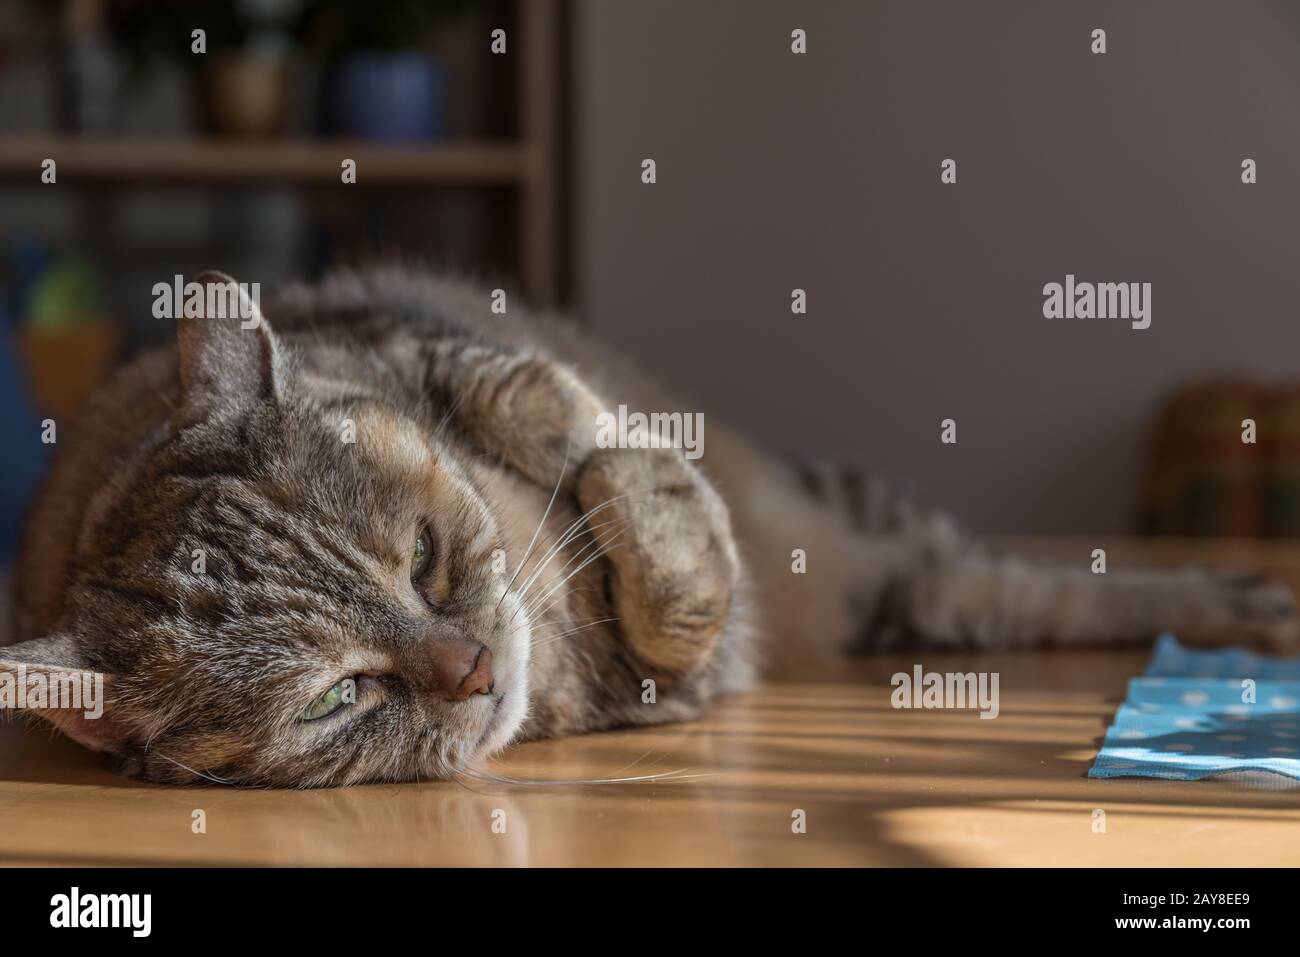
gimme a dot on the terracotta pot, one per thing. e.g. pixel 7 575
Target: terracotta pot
pixel 245 95
pixel 64 365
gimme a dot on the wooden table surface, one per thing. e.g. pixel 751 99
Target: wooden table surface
pixel 877 786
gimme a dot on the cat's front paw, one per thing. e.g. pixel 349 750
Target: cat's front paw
pixel 671 546
pixel 543 417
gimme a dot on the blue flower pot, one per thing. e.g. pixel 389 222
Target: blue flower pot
pixel 390 96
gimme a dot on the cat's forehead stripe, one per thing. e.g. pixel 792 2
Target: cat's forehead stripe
pixel 399 442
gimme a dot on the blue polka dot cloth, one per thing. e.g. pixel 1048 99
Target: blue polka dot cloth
pixel 1198 714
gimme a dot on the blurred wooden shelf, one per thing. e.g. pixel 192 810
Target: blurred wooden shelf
pixel 129 159
pixel 528 165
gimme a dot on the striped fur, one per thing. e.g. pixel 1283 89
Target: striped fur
pixel 235 452
pixel 613 586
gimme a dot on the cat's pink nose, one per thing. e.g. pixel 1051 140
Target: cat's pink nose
pixel 460 668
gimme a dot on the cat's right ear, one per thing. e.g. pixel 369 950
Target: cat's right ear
pixel 48 678
pixel 226 349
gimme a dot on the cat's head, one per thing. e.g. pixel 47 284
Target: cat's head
pixel 288 591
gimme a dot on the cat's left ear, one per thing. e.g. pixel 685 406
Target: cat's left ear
pixel 226 349
pixel 48 678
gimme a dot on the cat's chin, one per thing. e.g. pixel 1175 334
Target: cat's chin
pixel 511 709
pixel 511 665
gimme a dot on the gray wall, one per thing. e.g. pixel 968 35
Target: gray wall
pixel 822 171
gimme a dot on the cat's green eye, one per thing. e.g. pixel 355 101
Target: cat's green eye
pixel 330 701
pixel 421 555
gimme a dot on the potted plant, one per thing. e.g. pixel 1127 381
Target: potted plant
pixel 380 83
pixel 241 58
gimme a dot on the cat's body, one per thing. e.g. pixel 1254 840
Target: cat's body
pixel 228 542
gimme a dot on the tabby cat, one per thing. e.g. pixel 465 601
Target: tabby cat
pixel 374 538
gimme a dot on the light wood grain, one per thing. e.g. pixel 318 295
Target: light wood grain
pixel 878 786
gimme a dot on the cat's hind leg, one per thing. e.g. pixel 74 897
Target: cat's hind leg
pixel 924 582
pixel 981 600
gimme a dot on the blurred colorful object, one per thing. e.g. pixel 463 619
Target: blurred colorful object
pixel 49 361
pixel 1187 717
pixel 63 296
pixel 67 342
pixel 383 84
pixel 24 453
pixel 1203 478
pixel 246 94
pixel 390 96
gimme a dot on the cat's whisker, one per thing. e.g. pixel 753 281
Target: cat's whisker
pixel 558 599
pixel 559 480
pixel 568 539
pixel 549 606
pixel 593 557
pixel 544 560
pixel 530 607
pixel 551 639
pixel 570 534
pixel 202 774
pixel 646 753
pixel 568 622
pixel 567 535
pixel 555 550
pixel 492 777
pixel 535 630
pixel 643 756
pixel 595 540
